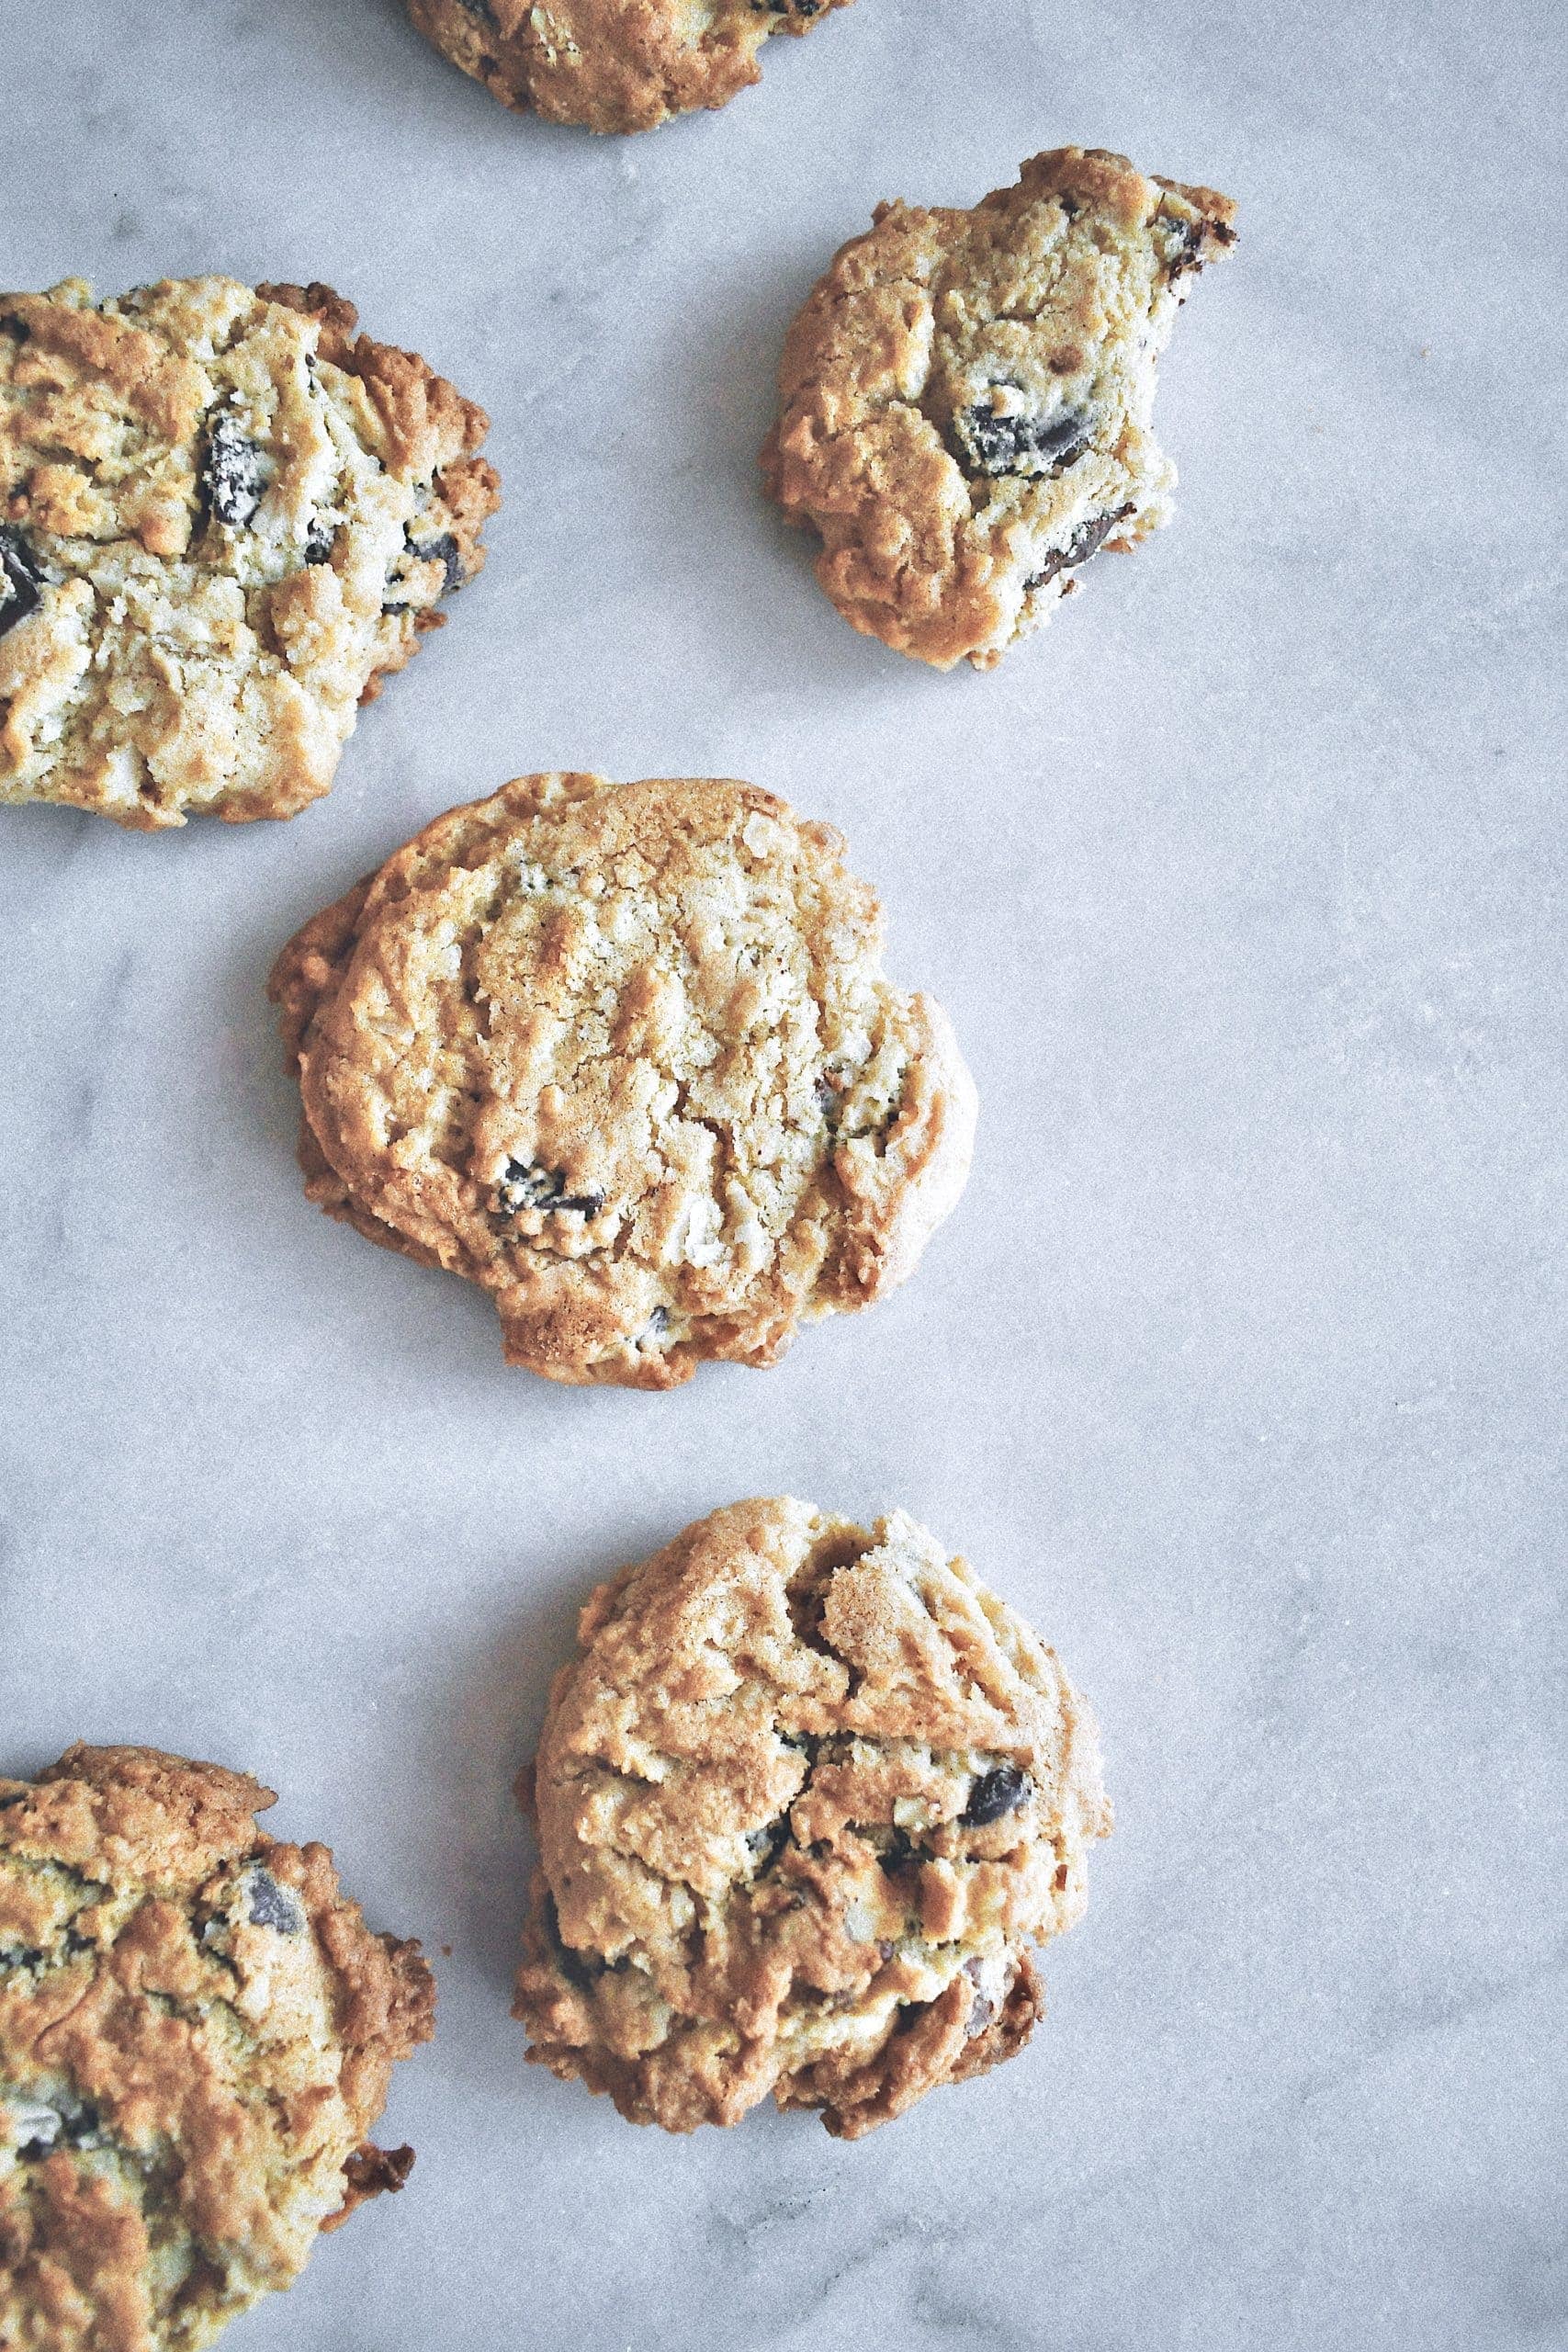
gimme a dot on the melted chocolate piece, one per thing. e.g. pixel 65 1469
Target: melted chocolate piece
pixel 996 1792
pixel 232 480
pixel 1086 541
pixel 442 550
pixel 271 1907
pixel 523 1187
pixel 768 1843
pixel 21 577
pixel 1004 444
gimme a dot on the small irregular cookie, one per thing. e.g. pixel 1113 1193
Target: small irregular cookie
pixel 611 64
pixel 197 2032
pixel 624 1055
pixel 804 1804
pixel 966 398
pixel 223 518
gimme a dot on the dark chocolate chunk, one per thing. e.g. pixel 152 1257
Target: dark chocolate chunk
pixel 483 12
pixel 442 550
pixel 235 476
pixel 271 1907
pixel 35 1956
pixel 523 1187
pixel 74 2123
pixel 1086 541
pixel 319 540
pixel 1186 243
pixel 768 1843
pixel 1005 445
pixel 21 577
pixel 653 1331
pixel 1000 1791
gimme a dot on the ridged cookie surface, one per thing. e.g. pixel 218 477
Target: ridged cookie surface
pixel 965 399
pixel 611 64
pixel 197 2032
pixel 223 518
pixel 624 1055
pixel 804 1802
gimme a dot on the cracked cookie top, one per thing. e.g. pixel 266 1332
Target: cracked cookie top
pixel 965 399
pixel 624 1055
pixel 611 64
pixel 804 1804
pixel 223 518
pixel 197 2032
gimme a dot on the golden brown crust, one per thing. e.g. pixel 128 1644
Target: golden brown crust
pixel 624 1056
pixel 804 1801
pixel 612 65
pixel 965 399
pixel 934 2043
pixel 197 2031
pixel 223 518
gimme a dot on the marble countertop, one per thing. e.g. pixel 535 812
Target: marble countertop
pixel 1240 1367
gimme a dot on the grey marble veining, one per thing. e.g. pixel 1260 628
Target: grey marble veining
pixel 1241 1366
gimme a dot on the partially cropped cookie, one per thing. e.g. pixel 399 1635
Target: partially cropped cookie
pixel 611 64
pixel 223 518
pixel 197 2032
pixel 965 399
pixel 804 1803
pixel 626 1055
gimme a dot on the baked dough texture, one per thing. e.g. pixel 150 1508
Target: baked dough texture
pixel 804 1803
pixel 197 2032
pixel 965 399
pixel 224 517
pixel 624 1055
pixel 611 64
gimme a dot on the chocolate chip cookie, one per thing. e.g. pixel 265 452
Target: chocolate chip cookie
pixel 804 1802
pixel 611 64
pixel 624 1055
pixel 224 517
pixel 197 2032
pixel 966 400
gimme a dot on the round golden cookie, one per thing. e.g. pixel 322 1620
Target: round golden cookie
pixel 197 2032
pixel 965 399
pixel 224 517
pixel 611 64
pixel 804 1803
pixel 624 1055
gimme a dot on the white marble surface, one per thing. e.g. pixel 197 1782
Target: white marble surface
pixel 1240 1366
